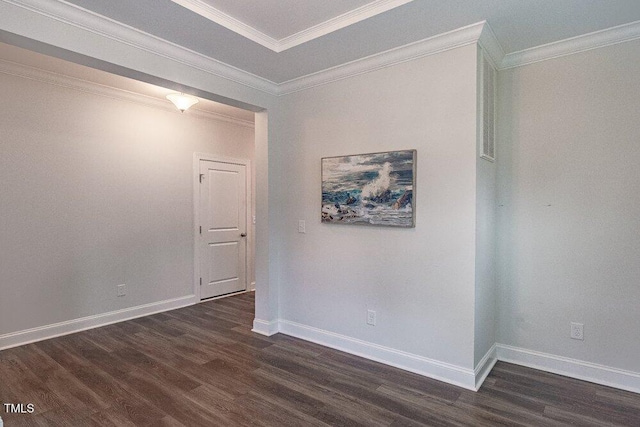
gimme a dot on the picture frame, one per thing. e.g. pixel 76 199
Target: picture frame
pixel 369 189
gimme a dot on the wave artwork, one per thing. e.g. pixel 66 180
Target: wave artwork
pixel 370 189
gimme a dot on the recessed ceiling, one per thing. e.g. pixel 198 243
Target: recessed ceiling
pixel 517 25
pixel 283 24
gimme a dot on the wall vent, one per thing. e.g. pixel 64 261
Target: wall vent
pixel 488 79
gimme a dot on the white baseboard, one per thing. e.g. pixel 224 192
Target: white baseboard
pixel 485 366
pixel 451 374
pixel 263 327
pixel 41 333
pixel 587 371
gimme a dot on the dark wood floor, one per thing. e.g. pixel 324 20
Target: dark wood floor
pixel 202 366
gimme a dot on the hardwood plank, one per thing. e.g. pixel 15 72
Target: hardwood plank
pixel 170 401
pixel 107 337
pixel 108 418
pixel 102 384
pixel 160 327
pixel 335 407
pixel 63 416
pixel 156 369
pixel 564 417
pixel 96 356
pixel 227 409
pixel 270 412
pixel 25 386
pixel 612 396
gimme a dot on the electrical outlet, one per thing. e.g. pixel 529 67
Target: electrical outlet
pixel 371 317
pixel 122 290
pixel 577 331
pixel 302 228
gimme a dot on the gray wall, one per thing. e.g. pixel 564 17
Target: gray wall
pixel 485 326
pixel 420 281
pixel 96 192
pixel 569 191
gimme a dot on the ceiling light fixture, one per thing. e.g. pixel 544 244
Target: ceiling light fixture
pixel 182 101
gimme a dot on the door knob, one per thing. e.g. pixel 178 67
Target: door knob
pixel 243 235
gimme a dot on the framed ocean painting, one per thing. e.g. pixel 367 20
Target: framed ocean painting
pixel 370 189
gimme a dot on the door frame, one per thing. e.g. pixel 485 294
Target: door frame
pixel 197 158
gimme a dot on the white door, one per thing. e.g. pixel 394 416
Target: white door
pixel 223 218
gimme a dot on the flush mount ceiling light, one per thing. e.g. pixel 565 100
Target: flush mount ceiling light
pixel 182 101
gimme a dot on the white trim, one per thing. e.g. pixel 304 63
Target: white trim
pixel 253 286
pixel 349 18
pixel 28 336
pixel 229 22
pixel 597 39
pixel 70 14
pixel 85 86
pixel 430 46
pixel 491 46
pixel 279 45
pixel 197 158
pixel 431 368
pixel 484 367
pixel 266 328
pixel 579 369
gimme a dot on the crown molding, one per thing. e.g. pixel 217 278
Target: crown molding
pixel 229 22
pixel 70 14
pixel 334 24
pixel 491 46
pixel 480 33
pixel 451 40
pixel 597 39
pixel 74 15
pixel 68 82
